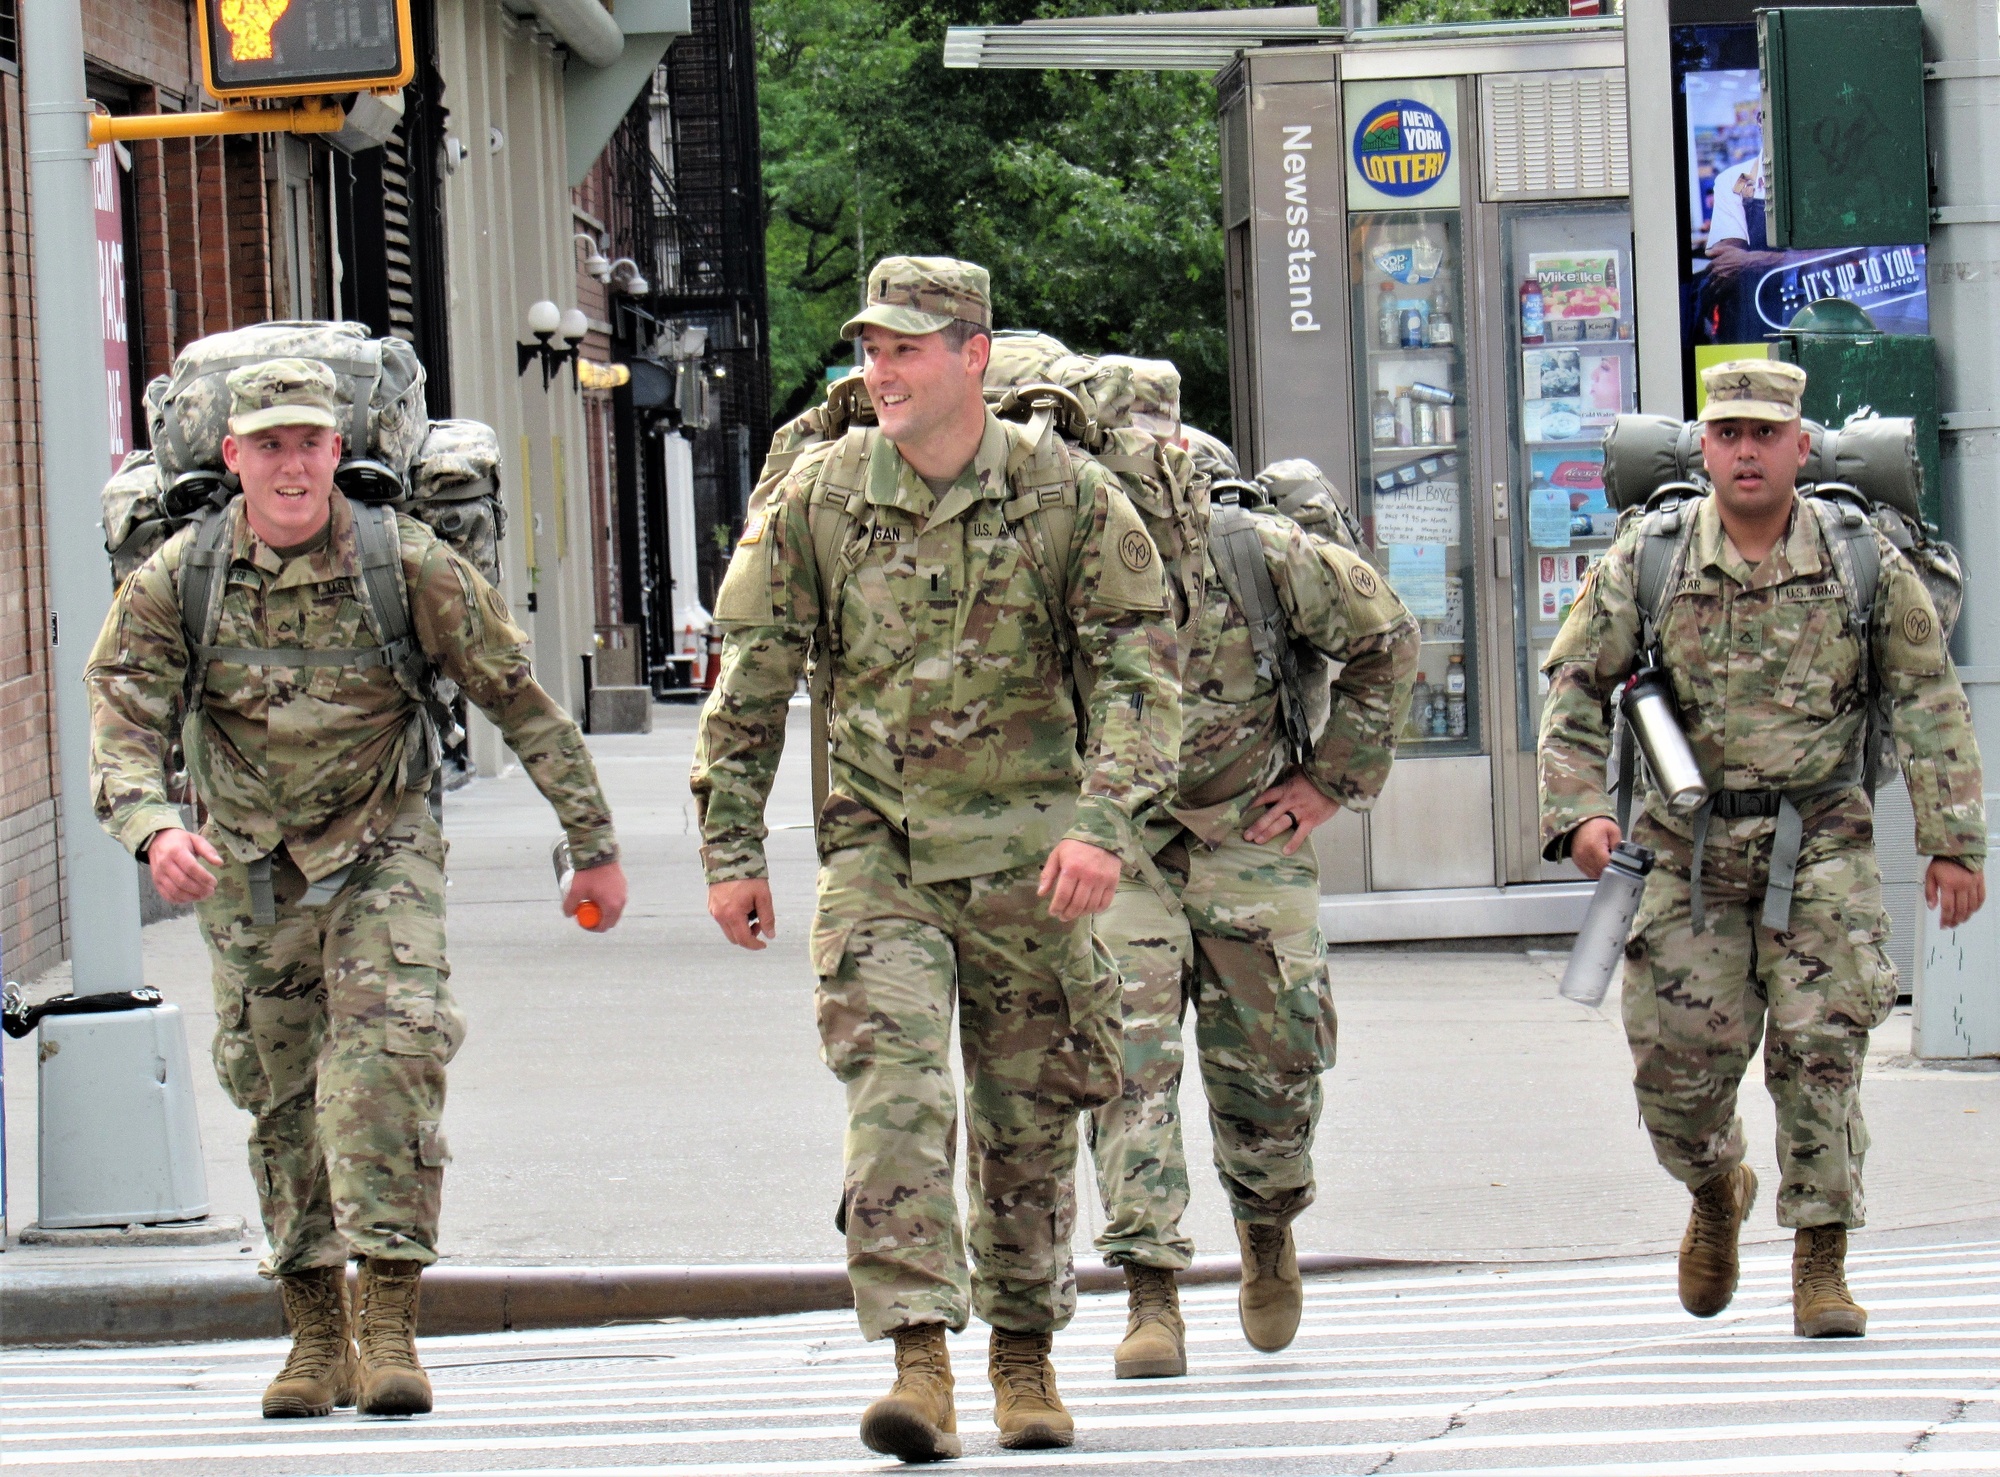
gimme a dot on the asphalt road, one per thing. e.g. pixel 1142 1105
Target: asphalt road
pixel 1585 1370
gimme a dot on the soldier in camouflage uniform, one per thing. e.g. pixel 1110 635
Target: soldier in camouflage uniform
pixel 966 836
pixel 318 877
pixel 1772 685
pixel 1227 916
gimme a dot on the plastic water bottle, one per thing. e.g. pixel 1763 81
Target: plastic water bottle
pixel 588 914
pixel 1600 943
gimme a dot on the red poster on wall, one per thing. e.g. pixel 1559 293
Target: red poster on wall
pixel 111 301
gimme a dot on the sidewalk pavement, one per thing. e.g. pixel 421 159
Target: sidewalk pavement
pixel 641 1126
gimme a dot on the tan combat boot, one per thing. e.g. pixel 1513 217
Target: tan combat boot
pixel 1155 1345
pixel 1709 1265
pixel 1822 1307
pixel 392 1382
pixel 1272 1297
pixel 916 1420
pixel 1026 1407
pixel 319 1373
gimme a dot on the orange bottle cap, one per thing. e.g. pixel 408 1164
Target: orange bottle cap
pixel 588 914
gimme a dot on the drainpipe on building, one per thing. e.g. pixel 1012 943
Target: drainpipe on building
pixel 100 882
pixel 584 26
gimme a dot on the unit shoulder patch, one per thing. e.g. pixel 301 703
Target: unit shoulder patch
pixel 1136 550
pixel 1917 625
pixel 1361 575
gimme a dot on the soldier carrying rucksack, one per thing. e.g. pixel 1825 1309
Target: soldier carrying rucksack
pixel 294 628
pixel 1791 628
pixel 1224 909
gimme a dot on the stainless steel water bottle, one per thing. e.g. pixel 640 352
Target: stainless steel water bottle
pixel 1600 943
pixel 1648 701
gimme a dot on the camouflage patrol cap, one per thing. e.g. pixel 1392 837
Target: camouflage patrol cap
pixel 1753 390
pixel 1156 402
pixel 922 294
pixel 1212 458
pixel 281 392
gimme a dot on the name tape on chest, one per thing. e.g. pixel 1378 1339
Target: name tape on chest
pixel 1798 594
pixel 887 533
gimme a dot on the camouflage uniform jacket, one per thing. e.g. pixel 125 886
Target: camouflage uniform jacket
pixel 312 758
pixel 1233 744
pixel 954 716
pixel 1767 671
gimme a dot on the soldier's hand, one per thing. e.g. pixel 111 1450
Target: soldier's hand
pixel 176 857
pixel 603 885
pixel 744 911
pixel 1079 878
pixel 1956 892
pixel 1298 805
pixel 1590 845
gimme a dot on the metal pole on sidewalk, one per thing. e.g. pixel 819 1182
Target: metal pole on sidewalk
pixel 1957 1010
pixel 100 883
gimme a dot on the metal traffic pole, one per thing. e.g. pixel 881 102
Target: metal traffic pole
pixel 1957 1001
pixel 100 882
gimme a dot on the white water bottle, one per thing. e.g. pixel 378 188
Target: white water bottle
pixel 1600 943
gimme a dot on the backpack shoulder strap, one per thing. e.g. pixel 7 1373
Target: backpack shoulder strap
pixel 1238 555
pixel 385 596
pixel 833 513
pixel 1849 535
pixel 1663 542
pixel 1043 476
pixel 204 572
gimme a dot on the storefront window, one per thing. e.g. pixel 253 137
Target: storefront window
pixel 1409 358
pixel 1571 370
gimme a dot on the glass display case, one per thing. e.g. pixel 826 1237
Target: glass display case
pixel 1407 277
pixel 1572 368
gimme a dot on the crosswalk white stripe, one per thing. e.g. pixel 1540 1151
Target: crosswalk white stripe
pixel 395 1435
pixel 657 1408
pixel 1442 1445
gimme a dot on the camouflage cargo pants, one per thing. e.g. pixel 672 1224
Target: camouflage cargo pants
pixel 1242 941
pixel 1696 1005
pixel 1038 1033
pixel 333 1027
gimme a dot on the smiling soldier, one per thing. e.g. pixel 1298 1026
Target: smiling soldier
pixel 319 875
pixel 1763 915
pixel 949 572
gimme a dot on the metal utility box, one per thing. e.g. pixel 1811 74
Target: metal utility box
pixel 1853 367
pixel 119 1142
pixel 1843 91
pixel 1429 256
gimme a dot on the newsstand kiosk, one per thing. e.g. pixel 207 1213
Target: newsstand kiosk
pixel 1429 258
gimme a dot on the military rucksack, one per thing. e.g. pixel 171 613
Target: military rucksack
pixel 1297 490
pixel 454 484
pixel 1865 478
pixel 379 381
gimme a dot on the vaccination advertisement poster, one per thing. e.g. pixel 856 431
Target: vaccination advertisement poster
pixel 1738 290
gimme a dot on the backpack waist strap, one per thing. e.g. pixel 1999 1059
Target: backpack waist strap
pixel 1786 840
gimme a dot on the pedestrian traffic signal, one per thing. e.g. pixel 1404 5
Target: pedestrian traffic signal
pixel 304 48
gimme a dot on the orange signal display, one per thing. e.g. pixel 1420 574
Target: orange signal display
pixel 304 48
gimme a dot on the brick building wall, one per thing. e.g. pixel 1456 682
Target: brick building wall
pixel 200 239
pixel 30 909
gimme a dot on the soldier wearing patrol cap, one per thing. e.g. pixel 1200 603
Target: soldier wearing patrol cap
pixel 1763 914
pixel 944 569
pixel 318 877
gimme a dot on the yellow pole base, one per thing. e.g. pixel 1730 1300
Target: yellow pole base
pixel 312 116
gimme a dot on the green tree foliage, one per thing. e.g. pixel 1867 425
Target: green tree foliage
pixel 1093 198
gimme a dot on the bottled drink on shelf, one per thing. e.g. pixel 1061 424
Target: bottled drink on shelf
pixel 1442 331
pixel 1382 416
pixel 1388 318
pixel 1406 420
pixel 1533 326
pixel 1412 326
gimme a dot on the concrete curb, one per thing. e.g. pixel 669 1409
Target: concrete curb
pixel 197 1304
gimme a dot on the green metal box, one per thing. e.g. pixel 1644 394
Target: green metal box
pixel 1844 125
pixel 1894 373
